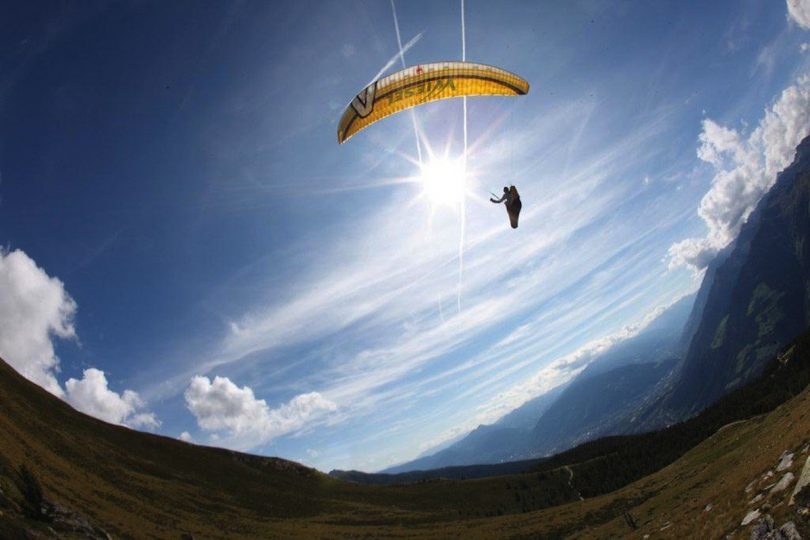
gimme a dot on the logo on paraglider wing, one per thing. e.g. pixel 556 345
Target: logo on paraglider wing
pixel 419 70
pixel 363 103
pixel 423 90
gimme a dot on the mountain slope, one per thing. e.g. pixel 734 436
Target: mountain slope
pixel 702 298
pixel 525 416
pixel 485 444
pixel 505 440
pixel 759 296
pixel 590 407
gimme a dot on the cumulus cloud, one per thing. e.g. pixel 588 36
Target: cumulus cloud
pixel 92 395
pixel 221 406
pixel 34 307
pixel 745 169
pixel 186 437
pixel 799 11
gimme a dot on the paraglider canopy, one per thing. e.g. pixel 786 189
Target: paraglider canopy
pixel 422 84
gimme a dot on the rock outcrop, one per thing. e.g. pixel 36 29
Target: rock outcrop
pixel 765 529
pixel 804 481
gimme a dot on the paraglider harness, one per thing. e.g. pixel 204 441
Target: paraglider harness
pixel 516 204
pixel 513 207
pixel 511 200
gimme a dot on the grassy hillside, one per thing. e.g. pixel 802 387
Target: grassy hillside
pixel 139 485
pixel 136 485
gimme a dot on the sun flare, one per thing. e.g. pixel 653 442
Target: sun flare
pixel 443 181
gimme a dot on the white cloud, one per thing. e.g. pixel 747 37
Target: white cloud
pixel 745 169
pixel 92 395
pixel 799 11
pixel 186 437
pixel 33 308
pixel 247 422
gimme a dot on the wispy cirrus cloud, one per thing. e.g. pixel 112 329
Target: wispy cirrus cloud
pixel 383 297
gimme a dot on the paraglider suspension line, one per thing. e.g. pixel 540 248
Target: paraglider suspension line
pixel 402 59
pixel 464 164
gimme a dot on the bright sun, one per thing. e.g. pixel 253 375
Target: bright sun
pixel 443 181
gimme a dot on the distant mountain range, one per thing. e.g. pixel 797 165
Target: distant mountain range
pixel 589 406
pixel 754 298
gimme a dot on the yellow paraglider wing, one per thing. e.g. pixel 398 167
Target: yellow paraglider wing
pixel 423 84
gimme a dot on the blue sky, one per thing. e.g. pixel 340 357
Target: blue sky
pixel 171 181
